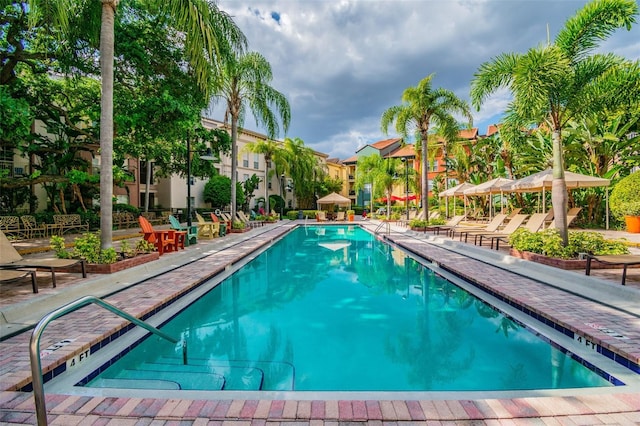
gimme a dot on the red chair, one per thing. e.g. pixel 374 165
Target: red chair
pixel 164 240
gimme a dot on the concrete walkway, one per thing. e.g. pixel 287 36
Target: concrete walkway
pixel 569 298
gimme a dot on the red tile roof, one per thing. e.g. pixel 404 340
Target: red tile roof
pixel 385 143
pixel 405 151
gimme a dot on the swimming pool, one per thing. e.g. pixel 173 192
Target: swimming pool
pixel 332 308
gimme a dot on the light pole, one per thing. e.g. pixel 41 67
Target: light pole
pixel 406 183
pixel 208 156
pixel 282 196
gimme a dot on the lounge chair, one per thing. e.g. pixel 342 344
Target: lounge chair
pixel 321 216
pixel 165 240
pixel 509 228
pixel 11 259
pixel 207 229
pixel 625 260
pixel 191 232
pixel 465 230
pixel 454 221
pixel 224 226
pixel 572 214
pixel 534 224
pixel 12 275
pixel 340 216
pixel 247 221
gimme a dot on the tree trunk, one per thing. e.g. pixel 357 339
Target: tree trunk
pixel 266 186
pixel 234 165
pixel 106 122
pixel 424 177
pixel 559 189
pixel 148 184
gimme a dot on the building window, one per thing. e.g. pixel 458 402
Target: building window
pixel 245 159
pixel 143 172
pixel 256 161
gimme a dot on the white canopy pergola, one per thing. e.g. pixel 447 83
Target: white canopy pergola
pixel 489 188
pixel 456 191
pixel 333 199
pixel 543 180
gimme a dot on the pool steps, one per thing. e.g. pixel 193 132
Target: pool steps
pixel 202 374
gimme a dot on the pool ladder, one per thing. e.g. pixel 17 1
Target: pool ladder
pixel 382 224
pixel 34 345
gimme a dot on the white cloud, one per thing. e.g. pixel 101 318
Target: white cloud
pixel 341 63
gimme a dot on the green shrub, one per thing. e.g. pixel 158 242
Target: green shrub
pixel 418 223
pixel 437 221
pixel 88 248
pixel 625 198
pixel 549 243
pixel 59 247
pixel 144 246
pixel 238 224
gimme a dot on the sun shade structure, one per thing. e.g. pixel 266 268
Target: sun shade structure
pixel 456 191
pixel 332 199
pixel 490 187
pixel 543 180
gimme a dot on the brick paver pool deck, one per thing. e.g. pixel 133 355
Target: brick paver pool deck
pixel 90 325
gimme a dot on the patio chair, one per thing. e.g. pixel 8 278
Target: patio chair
pixel 340 216
pixel 207 229
pixel 572 214
pixel 165 240
pixel 11 259
pixel 465 230
pixel 447 226
pixel 12 275
pixel 224 226
pixel 191 233
pixel 32 228
pixel 509 228
pixel 625 260
pixel 321 216
pixel 248 222
pixel 534 224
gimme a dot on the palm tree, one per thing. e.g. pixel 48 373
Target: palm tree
pixel 423 106
pixel 269 149
pixel 243 83
pixel 302 163
pixel 558 82
pixel 210 36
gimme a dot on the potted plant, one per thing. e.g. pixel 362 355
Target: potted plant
pixel 625 201
pixel 351 215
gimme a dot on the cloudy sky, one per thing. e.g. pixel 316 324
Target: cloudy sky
pixel 341 63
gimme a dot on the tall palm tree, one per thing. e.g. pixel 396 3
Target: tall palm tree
pixel 243 83
pixel 555 83
pixel 423 106
pixel 302 164
pixel 210 36
pixel 269 149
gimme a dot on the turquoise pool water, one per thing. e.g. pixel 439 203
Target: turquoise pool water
pixel 333 309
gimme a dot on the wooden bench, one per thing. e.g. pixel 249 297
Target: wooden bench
pixel 625 260
pixel 165 217
pixel 70 222
pixel 124 220
pixel 152 218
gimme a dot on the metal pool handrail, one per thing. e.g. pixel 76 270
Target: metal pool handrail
pixel 34 345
